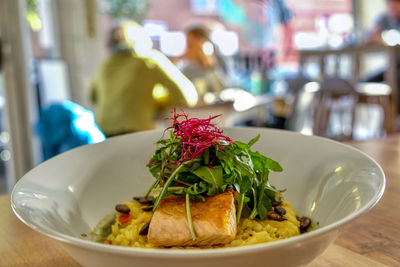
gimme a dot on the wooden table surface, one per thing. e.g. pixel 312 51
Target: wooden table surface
pixel 372 240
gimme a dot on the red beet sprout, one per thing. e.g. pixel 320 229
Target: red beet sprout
pixel 195 135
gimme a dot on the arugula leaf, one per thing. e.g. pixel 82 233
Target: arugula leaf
pixel 213 176
pixel 269 193
pixel 264 202
pixel 234 166
pixel 261 207
pixel 227 160
pixel 245 185
pixel 272 165
pixel 265 161
pixel 243 167
pixel 240 200
pixel 254 140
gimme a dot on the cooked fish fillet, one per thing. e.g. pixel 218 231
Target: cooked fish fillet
pixel 214 221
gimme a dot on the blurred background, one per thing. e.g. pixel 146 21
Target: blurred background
pixel 74 72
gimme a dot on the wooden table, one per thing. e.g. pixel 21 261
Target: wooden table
pixel 370 241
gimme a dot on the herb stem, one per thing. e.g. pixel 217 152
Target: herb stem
pixel 152 187
pixel 240 207
pixel 176 190
pixel 189 218
pixel 165 187
pixel 254 212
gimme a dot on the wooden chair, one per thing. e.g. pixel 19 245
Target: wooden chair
pixel 385 94
pixel 295 84
pixel 338 97
pixel 304 109
pixel 379 94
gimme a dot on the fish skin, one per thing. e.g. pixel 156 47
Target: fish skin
pixel 214 221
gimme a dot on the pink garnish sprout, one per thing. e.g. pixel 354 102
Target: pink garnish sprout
pixel 195 135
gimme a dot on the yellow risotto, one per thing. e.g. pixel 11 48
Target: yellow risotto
pixel 249 231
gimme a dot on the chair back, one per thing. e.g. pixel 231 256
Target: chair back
pixel 336 110
pixel 295 84
pixel 304 106
pixel 337 87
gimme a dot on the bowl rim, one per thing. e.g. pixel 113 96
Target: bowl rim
pixel 208 252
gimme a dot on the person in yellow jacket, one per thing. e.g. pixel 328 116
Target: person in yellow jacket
pixel 135 83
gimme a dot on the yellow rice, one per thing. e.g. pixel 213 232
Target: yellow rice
pixel 249 231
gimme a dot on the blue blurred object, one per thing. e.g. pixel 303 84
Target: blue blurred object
pixel 66 125
pixel 231 12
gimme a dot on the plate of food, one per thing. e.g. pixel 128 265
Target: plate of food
pixel 194 194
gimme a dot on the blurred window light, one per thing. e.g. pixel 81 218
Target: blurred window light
pixel 216 26
pixel 2 99
pixel 54 81
pixel 187 88
pixel 335 41
pixel 5 155
pixel 244 104
pixel 138 38
pixel 85 124
pixel 308 40
pixel 312 87
pixel 4 137
pixel 46 34
pixel 242 100
pixel 204 7
pixel 208 48
pixel 173 44
pixel 391 37
pixel 160 94
pixel 340 23
pixel 34 21
pixel 312 69
pixel 374 89
pixel 307 131
pixel 229 94
pixel 209 98
pixel 32 15
pixel 227 42
pixel 154 28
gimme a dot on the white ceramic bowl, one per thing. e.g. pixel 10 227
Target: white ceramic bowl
pixel 66 196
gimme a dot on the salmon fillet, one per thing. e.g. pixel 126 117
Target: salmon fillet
pixel 214 221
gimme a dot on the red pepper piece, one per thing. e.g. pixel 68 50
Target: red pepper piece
pixel 124 219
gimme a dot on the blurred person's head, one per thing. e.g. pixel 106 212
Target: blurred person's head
pixel 199 48
pixel 198 33
pixel 128 36
pixel 393 8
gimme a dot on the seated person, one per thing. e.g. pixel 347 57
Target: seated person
pixel 388 21
pixel 136 83
pixel 201 63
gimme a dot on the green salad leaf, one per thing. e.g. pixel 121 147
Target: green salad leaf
pixel 234 166
pixel 197 161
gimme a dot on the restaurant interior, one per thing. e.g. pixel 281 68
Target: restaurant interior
pixel 316 68
pixel 78 72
